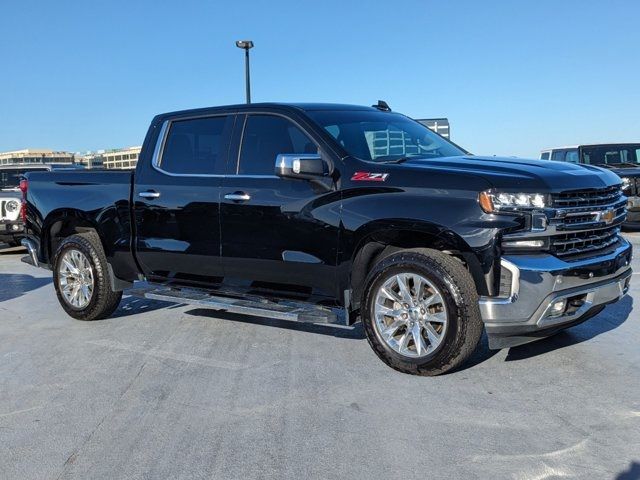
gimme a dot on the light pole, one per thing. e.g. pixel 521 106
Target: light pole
pixel 246 45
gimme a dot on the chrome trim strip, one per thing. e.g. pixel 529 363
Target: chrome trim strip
pixel 156 160
pixel 244 124
pixel 238 197
pixel 149 194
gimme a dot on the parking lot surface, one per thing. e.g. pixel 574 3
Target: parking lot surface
pixel 164 391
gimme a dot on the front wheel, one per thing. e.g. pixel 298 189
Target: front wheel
pixel 80 277
pixel 420 312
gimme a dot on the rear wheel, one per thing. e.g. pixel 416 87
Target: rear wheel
pixel 421 313
pixel 80 277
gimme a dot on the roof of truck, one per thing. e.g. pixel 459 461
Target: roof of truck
pixel 291 106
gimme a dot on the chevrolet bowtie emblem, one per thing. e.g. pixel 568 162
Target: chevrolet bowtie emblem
pixel 607 216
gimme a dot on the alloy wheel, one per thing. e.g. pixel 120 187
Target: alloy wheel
pixel 75 278
pixel 410 315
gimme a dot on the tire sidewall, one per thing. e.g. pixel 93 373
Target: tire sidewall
pixel 442 281
pixel 91 255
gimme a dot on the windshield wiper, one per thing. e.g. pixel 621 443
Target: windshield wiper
pixel 397 160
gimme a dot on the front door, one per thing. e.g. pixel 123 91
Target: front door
pixel 278 234
pixel 177 201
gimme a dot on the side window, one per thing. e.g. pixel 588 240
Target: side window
pixel 196 146
pixel 572 156
pixel 266 136
pixel 558 155
pixel 544 156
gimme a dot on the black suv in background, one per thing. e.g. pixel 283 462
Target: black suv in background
pixel 11 214
pixel 621 158
pixel 337 213
pixel 11 224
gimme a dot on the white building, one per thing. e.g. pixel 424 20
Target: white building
pixel 124 158
pixel 30 156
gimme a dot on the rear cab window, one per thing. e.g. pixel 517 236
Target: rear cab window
pixel 196 146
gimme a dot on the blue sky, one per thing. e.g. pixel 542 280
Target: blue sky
pixel 512 76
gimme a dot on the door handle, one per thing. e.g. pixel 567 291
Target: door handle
pixel 150 194
pixel 238 197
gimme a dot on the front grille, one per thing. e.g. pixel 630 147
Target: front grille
pixel 587 198
pixel 587 222
pixel 580 243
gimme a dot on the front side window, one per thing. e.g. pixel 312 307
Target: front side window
pixel 558 155
pixel 196 146
pixel 383 136
pixel 544 156
pixel 612 155
pixel 572 156
pixel 267 136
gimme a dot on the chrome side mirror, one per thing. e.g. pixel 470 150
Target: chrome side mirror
pixel 301 165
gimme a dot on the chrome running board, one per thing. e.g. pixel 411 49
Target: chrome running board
pixel 247 305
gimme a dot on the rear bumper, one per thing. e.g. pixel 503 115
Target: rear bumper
pixel 540 282
pixel 11 230
pixel 32 247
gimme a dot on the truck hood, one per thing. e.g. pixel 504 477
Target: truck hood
pixel 522 174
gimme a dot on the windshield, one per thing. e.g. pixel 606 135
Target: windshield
pixel 611 155
pixel 10 179
pixel 383 136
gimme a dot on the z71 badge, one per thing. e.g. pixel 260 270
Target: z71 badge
pixel 369 177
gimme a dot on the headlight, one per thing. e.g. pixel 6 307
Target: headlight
pixel 495 202
pixel 12 206
pixel 626 183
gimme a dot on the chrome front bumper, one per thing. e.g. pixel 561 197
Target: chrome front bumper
pixel 540 281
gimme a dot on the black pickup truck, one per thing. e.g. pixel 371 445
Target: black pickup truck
pixel 337 213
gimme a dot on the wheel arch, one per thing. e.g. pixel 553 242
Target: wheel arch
pixel 380 239
pixel 63 223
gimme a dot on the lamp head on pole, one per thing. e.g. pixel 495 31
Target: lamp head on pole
pixel 244 44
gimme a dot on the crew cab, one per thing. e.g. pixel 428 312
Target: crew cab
pixel 337 213
pixel 623 159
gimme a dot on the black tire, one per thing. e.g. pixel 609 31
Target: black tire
pixel 464 327
pixel 104 300
pixel 13 243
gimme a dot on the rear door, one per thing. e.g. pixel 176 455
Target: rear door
pixel 278 234
pixel 177 201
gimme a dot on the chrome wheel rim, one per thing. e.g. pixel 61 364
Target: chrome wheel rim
pixel 75 278
pixel 410 315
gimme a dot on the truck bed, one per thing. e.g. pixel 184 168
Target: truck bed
pixel 100 199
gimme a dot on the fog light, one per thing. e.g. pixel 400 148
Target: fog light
pixel 15 227
pixel 557 308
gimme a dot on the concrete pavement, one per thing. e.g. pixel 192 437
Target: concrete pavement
pixel 161 391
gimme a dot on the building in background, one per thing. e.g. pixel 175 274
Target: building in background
pixel 32 156
pixel 121 159
pixel 91 159
pixel 438 125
